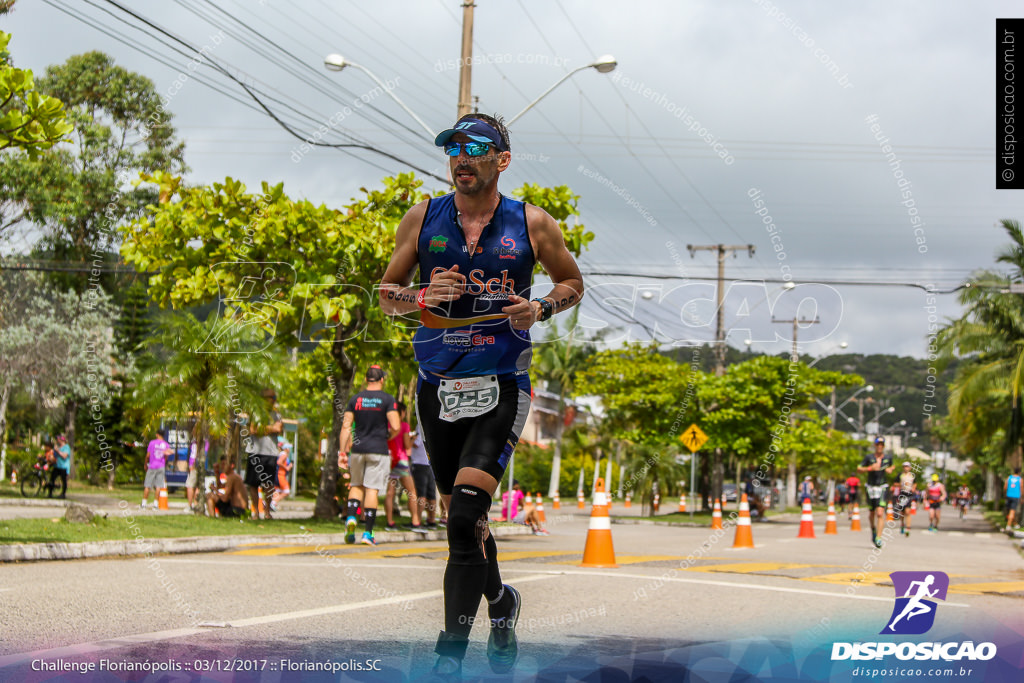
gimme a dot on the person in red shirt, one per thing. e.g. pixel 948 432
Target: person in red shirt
pixel 400 446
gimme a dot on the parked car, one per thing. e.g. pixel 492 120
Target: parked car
pixel 729 493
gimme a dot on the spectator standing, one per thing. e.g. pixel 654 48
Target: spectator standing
pixel 61 466
pixel 423 479
pixel 156 454
pixel 1012 490
pixel 401 473
pixel 261 467
pixel 284 466
pixel 371 418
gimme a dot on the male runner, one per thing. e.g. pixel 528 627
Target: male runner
pixel 936 495
pixel 877 465
pixel 373 415
pixel 475 249
pixel 905 492
pixel 1012 491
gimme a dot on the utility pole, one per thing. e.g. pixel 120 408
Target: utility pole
pixel 794 357
pixel 466 64
pixel 722 250
pixel 717 470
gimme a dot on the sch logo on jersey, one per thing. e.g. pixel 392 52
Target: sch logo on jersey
pixel 916 592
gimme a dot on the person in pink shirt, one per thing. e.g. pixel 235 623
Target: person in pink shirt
pixel 156 454
pixel 517 500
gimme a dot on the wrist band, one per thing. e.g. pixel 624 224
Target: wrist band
pixel 421 298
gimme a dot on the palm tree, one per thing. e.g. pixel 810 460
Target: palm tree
pixel 989 337
pixel 213 387
pixel 558 361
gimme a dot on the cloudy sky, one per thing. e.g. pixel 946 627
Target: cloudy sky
pixel 716 111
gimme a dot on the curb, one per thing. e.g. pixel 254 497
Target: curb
pixel 38 552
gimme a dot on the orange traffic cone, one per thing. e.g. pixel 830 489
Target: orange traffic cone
pixel 162 499
pixel 528 500
pixel 599 551
pixel 657 502
pixel 540 509
pixel 555 502
pixel 581 502
pixel 806 521
pixel 682 503
pixel 628 503
pixel 830 521
pixel 716 515
pixel 855 519
pixel 889 517
pixel 744 537
pixel 913 507
pixel 14 477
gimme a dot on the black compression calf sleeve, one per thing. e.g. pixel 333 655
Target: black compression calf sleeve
pixel 467 572
pixel 371 516
pixel 493 585
pixel 353 508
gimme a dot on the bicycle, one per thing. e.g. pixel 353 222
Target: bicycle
pixel 36 481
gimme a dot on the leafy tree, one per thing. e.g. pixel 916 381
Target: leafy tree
pixel 748 410
pixel 286 267
pixel 29 120
pixel 80 192
pixel 559 358
pixel 61 341
pixel 213 386
pixel 648 401
pixel 989 340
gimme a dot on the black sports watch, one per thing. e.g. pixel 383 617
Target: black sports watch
pixel 546 309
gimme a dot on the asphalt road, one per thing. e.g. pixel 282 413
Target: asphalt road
pixel 682 601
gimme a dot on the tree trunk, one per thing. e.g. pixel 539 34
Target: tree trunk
pixel 791 481
pixel 69 433
pixel 204 437
pixel 556 456
pixel 5 396
pixel 717 474
pixel 342 374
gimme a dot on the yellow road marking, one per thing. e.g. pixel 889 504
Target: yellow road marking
pixel 990 587
pixel 265 551
pixel 747 567
pixel 397 552
pixel 636 559
pixel 528 554
pixel 876 578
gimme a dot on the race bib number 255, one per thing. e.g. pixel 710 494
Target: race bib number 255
pixel 467 397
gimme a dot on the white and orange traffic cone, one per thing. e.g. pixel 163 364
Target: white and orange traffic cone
pixel 744 536
pixel 889 517
pixel 162 499
pixel 657 502
pixel 555 502
pixel 806 521
pixel 629 501
pixel 682 503
pixel 716 515
pixel 913 507
pixel 855 518
pixel 540 509
pixel 14 477
pixel 599 550
pixel 830 521
pixel 581 502
pixel 528 500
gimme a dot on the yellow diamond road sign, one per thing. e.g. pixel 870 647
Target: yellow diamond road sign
pixel 693 438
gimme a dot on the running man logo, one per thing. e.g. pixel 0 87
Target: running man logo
pixel 913 614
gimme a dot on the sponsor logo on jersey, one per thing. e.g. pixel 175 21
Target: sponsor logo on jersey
pixel 438 243
pixel 467 339
pixel 507 250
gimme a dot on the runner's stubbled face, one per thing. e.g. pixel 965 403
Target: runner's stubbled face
pixel 473 175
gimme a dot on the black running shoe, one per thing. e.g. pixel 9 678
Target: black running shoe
pixel 502 645
pixel 446 670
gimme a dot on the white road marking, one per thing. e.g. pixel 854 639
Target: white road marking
pixel 736 584
pixel 80 649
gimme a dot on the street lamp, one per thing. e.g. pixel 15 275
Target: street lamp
pixel 604 64
pixel 335 62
